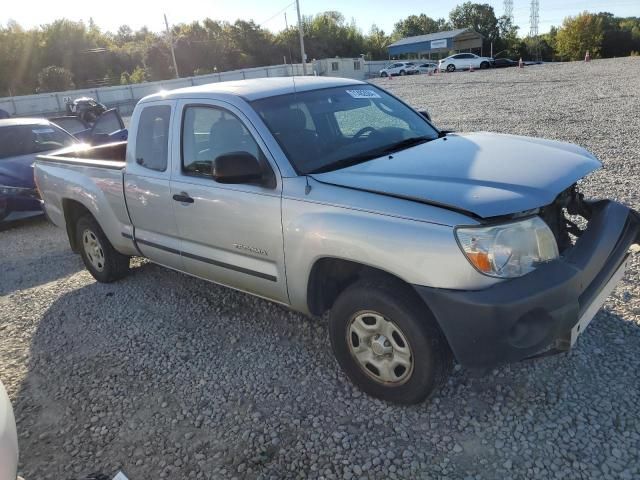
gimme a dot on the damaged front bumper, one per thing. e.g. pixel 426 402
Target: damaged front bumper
pixel 544 311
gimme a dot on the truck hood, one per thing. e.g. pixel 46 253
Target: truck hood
pixel 486 174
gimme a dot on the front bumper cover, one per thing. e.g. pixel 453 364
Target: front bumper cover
pixel 528 316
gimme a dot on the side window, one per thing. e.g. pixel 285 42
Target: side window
pixel 207 133
pixel 153 137
pixel 356 65
pixel 335 66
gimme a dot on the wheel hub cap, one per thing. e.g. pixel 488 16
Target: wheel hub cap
pixel 93 249
pixel 380 348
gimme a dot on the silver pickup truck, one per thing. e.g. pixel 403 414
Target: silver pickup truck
pixel 331 195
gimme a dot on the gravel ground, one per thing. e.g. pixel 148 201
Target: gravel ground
pixel 166 376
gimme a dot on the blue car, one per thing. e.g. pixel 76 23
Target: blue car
pixel 21 140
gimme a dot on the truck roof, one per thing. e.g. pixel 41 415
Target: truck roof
pixel 255 88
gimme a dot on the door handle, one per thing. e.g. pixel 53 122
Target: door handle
pixel 183 197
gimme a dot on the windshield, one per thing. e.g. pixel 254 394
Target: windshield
pixel 17 140
pixel 332 128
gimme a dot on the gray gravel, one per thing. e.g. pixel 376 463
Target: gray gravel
pixel 167 376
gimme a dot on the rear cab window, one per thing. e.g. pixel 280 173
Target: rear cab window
pixel 152 138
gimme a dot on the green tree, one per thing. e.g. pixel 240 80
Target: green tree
pixel 415 25
pixel 580 34
pixel 55 79
pixel 375 44
pixel 478 16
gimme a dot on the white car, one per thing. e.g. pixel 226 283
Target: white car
pixel 397 68
pixel 8 439
pixel 428 67
pixel 464 61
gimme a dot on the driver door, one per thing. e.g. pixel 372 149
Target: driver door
pixel 231 233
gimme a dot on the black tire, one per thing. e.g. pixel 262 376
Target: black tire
pixel 114 265
pixel 451 67
pixel 484 65
pixel 384 74
pixel 430 353
pixel 402 73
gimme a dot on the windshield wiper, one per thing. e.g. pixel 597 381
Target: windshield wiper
pixel 406 143
pixel 371 154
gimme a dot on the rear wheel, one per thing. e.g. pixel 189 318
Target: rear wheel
pixel 384 74
pixel 388 343
pixel 451 67
pixel 403 73
pixel 103 261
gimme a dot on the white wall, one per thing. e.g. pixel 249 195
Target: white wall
pixel 126 96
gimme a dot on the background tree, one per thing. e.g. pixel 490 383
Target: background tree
pixel 415 25
pixel 579 34
pixel 55 79
pixel 375 44
pixel 478 16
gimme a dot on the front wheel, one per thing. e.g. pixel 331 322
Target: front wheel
pixel 403 73
pixel 484 65
pixel 388 343
pixel 384 74
pixel 451 68
pixel 103 261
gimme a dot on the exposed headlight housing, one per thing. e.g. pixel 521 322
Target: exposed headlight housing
pixel 508 250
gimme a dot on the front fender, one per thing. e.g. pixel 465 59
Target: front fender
pixel 417 252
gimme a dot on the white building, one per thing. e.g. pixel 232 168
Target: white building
pixel 340 67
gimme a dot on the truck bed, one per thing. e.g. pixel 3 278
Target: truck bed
pixel 91 178
pixel 111 155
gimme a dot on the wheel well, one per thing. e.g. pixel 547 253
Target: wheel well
pixel 73 210
pixel 330 276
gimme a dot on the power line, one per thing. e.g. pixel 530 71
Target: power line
pixel 276 14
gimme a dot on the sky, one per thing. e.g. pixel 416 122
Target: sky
pixel 109 14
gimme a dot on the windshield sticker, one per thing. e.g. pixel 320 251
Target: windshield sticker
pixel 43 130
pixel 363 94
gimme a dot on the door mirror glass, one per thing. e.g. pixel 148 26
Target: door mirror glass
pixel 237 167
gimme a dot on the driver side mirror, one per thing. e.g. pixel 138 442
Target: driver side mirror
pixel 425 114
pixel 237 167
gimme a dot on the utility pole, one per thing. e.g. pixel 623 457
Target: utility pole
pixel 508 9
pixel 534 20
pixel 304 56
pixel 173 53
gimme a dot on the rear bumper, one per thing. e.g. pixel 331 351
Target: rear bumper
pixel 535 314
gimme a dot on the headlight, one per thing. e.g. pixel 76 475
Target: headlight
pixel 508 250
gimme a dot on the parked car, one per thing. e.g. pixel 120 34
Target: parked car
pixel 464 61
pixel 107 127
pixel 424 245
pixel 8 439
pixel 21 140
pixel 397 68
pixel 428 67
pixel 503 63
pixel 4 114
